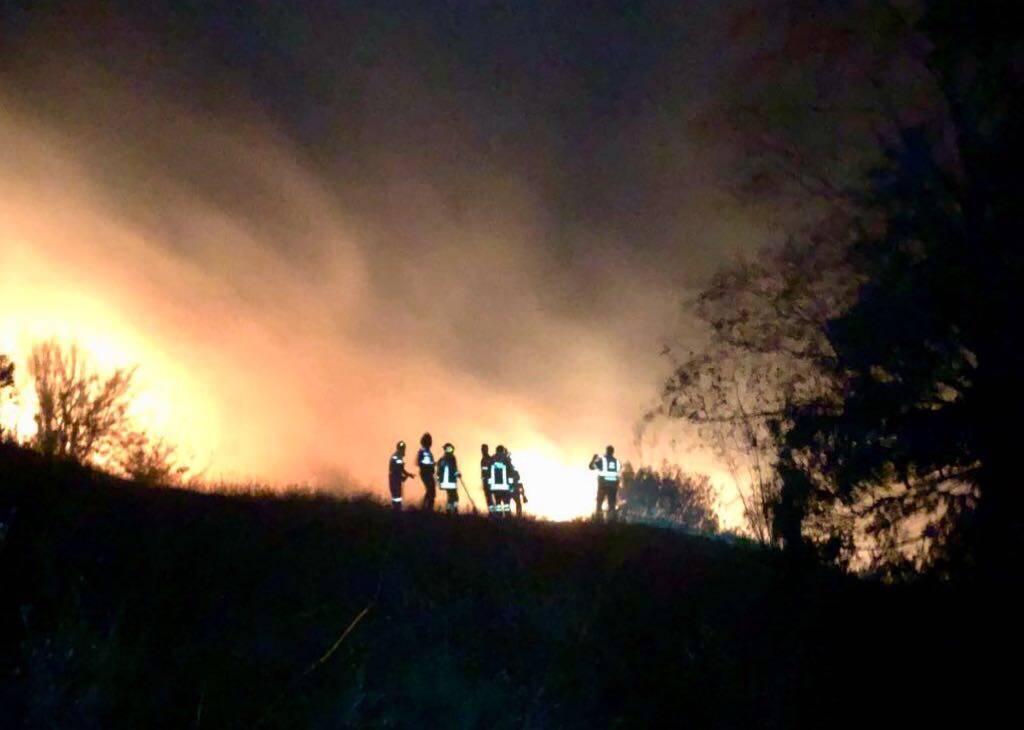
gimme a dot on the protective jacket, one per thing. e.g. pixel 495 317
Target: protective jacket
pixel 425 461
pixel 448 472
pixel 607 469
pixel 396 470
pixel 485 469
pixel 500 475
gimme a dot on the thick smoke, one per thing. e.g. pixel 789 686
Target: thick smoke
pixel 301 290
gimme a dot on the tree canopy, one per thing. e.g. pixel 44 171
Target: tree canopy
pixel 669 496
pixel 880 410
pixel 926 355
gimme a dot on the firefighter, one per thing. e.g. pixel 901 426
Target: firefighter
pixel 485 476
pixel 500 474
pixel 397 475
pixel 448 475
pixel 608 473
pixel 517 491
pixel 425 461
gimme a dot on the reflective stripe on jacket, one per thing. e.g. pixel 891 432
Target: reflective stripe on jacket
pixel 499 476
pixel 448 471
pixel 609 469
pixel 425 459
pixel 396 469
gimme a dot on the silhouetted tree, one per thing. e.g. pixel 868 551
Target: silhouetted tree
pixel 6 373
pixel 6 386
pixel 810 99
pixel 889 126
pixel 763 354
pixel 147 460
pixel 81 415
pixel 669 495
pixel 927 360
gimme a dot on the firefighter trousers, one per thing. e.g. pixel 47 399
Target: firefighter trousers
pixel 430 490
pixel 606 491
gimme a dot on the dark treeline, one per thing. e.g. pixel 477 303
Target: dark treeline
pixel 860 376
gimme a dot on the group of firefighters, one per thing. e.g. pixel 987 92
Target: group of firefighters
pixel 501 481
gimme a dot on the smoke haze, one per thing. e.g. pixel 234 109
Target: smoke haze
pixel 338 232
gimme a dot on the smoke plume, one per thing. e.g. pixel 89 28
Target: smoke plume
pixel 313 256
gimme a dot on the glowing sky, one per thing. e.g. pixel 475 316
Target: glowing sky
pixel 314 245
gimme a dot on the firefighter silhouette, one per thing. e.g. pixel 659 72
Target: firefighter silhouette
pixel 425 461
pixel 517 491
pixel 501 485
pixel 608 474
pixel 448 475
pixel 485 476
pixel 397 475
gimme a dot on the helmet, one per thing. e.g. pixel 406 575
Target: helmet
pixel 610 450
pixel 449 449
pixel 426 440
pixel 400 445
pixel 501 450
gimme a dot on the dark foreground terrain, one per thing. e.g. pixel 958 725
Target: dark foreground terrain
pixel 123 606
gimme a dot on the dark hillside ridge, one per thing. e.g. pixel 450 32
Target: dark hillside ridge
pixel 124 606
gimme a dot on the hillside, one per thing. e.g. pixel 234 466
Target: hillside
pixel 130 607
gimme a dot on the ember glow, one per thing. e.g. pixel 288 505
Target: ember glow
pixel 558 487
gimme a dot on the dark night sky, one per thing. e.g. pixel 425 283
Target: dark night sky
pixel 520 184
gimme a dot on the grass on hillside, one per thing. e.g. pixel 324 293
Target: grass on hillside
pixel 125 606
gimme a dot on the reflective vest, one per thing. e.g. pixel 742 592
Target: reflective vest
pixel 609 469
pixel 499 476
pixel 447 472
pixel 426 460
